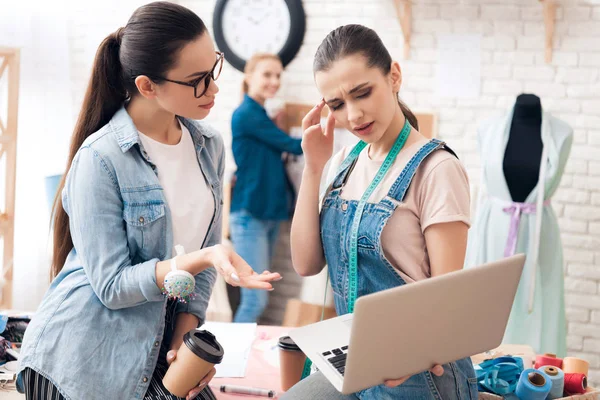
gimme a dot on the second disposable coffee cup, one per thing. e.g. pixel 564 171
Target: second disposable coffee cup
pixel 291 360
pixel 196 356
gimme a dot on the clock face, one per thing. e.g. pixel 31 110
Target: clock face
pixel 252 26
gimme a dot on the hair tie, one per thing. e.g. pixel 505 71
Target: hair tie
pixel 119 34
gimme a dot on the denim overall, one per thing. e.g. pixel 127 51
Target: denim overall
pixel 375 273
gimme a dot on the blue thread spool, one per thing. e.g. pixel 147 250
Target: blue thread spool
pixel 533 385
pixel 557 376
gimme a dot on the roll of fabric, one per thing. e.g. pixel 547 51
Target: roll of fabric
pixel 533 385
pixel 548 359
pixel 575 384
pixel 500 375
pixel 574 365
pixel 557 376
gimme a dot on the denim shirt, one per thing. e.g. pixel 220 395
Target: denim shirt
pixel 98 331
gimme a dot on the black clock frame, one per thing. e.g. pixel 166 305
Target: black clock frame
pixel 290 48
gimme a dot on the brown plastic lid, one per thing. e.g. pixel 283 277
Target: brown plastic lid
pixel 287 343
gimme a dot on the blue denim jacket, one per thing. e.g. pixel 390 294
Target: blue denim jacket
pixel 98 331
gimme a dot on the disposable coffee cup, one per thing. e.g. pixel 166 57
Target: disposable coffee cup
pixel 196 356
pixel 291 361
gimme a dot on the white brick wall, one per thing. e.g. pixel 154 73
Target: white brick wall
pixel 512 62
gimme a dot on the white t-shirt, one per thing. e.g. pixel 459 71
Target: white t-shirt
pixel 188 195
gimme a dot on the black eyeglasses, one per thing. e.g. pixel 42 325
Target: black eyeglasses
pixel 214 74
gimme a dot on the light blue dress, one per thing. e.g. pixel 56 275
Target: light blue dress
pixel 538 314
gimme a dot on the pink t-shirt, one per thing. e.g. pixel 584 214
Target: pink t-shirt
pixel 439 193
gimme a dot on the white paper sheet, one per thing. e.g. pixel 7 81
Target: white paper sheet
pixel 459 66
pixel 270 349
pixel 236 340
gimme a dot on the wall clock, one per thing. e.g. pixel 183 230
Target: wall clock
pixel 245 27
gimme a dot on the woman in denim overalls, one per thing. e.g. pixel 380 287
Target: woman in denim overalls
pixel 360 84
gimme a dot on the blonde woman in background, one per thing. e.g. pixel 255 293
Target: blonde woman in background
pixel 262 195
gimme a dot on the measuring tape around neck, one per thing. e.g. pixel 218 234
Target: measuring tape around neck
pixel 389 160
pixel 353 257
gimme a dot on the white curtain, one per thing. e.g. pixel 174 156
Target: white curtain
pixel 45 124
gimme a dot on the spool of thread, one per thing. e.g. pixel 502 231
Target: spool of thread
pixel 533 385
pixel 548 359
pixel 574 365
pixel 557 376
pixel 575 384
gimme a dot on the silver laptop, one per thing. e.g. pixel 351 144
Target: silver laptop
pixel 408 329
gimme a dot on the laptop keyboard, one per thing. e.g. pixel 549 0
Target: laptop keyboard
pixel 337 358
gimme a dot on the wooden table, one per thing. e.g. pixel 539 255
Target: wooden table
pixel 260 373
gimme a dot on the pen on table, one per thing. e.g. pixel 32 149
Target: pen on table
pixel 247 390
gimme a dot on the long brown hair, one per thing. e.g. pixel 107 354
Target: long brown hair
pixel 253 62
pixel 348 40
pixel 147 45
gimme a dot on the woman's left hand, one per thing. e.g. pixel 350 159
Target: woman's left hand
pixel 236 271
pixel 171 355
pixel 437 370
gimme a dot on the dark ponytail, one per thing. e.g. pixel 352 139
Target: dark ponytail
pixel 104 96
pixel 348 40
pixel 147 45
pixel 412 119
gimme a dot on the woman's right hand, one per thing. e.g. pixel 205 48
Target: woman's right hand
pixel 237 272
pixel 194 392
pixel 317 144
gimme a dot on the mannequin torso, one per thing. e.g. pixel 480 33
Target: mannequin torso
pixel 524 148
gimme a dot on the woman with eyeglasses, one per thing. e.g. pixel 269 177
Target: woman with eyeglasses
pixel 262 194
pixel 143 176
